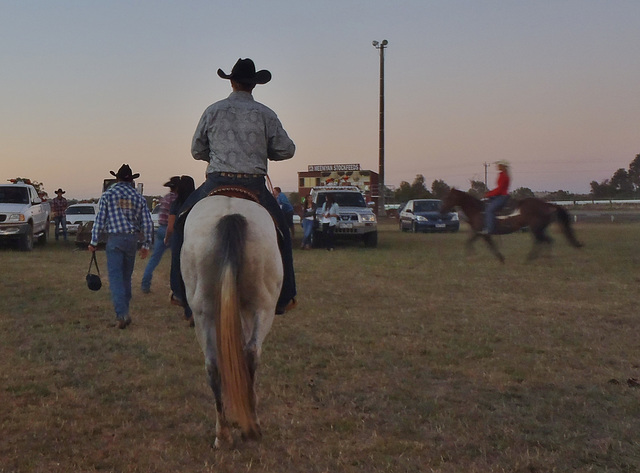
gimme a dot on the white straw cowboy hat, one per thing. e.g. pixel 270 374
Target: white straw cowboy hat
pixel 502 162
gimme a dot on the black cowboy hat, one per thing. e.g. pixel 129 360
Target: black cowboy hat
pixel 245 72
pixel 173 182
pixel 60 191
pixel 125 174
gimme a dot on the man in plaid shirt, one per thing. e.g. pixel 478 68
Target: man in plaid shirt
pixel 123 214
pixel 58 209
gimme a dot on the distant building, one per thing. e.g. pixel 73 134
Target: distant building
pixel 339 174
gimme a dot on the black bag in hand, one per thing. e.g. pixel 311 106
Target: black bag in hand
pixel 93 280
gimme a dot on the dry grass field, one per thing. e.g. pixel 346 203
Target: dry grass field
pixel 412 357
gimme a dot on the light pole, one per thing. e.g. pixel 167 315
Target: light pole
pixel 381 210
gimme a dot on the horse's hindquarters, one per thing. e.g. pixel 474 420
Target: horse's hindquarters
pixel 232 271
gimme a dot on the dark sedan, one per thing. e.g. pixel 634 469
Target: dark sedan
pixel 423 215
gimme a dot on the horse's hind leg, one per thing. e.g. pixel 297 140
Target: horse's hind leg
pixel 251 357
pixel 470 248
pixel 540 238
pixel 223 431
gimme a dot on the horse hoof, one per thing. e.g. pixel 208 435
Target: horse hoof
pixel 254 435
pixel 221 443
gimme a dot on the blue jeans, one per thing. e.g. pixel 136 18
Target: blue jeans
pixel 307 228
pixel 495 203
pixel 156 256
pixel 60 222
pixel 121 257
pixel 267 200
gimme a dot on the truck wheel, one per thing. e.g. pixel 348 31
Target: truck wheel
pixel 370 239
pixel 26 240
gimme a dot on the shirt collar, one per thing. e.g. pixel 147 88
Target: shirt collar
pixel 241 95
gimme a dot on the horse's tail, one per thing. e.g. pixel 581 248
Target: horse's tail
pixel 235 378
pixel 565 223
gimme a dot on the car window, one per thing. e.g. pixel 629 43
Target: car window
pixel 343 199
pixel 81 210
pixel 14 195
pixel 427 206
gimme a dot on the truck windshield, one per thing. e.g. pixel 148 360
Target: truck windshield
pixel 14 195
pixel 343 199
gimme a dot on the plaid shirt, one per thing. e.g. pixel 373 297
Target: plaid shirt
pixel 122 209
pixel 165 205
pixel 58 206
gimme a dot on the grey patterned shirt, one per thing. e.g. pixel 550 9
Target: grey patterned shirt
pixel 239 135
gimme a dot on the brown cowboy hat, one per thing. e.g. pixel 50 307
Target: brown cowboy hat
pixel 60 191
pixel 173 182
pixel 245 72
pixel 125 174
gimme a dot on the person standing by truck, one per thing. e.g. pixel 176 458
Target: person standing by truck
pixel 308 222
pixel 123 214
pixel 286 207
pixel 329 222
pixel 59 208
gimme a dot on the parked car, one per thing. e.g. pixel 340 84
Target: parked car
pixel 423 215
pixel 79 214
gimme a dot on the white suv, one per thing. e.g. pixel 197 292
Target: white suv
pixel 355 219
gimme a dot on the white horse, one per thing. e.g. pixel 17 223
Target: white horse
pixel 232 271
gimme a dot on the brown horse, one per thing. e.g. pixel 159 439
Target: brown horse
pixel 536 214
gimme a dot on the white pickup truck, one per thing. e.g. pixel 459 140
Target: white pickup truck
pixel 23 215
pixel 355 219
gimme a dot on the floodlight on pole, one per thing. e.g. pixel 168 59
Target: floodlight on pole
pixel 381 187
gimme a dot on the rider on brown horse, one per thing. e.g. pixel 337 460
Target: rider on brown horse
pixel 498 197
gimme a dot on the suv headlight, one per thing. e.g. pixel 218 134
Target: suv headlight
pixel 368 218
pixel 420 218
pixel 15 218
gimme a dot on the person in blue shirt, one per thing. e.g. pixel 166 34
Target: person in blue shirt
pixel 123 215
pixel 286 207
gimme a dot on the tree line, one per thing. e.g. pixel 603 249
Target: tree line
pixel 624 184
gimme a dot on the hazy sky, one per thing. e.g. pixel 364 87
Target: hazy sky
pixel 552 86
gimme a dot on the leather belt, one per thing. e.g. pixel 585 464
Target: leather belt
pixel 237 175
